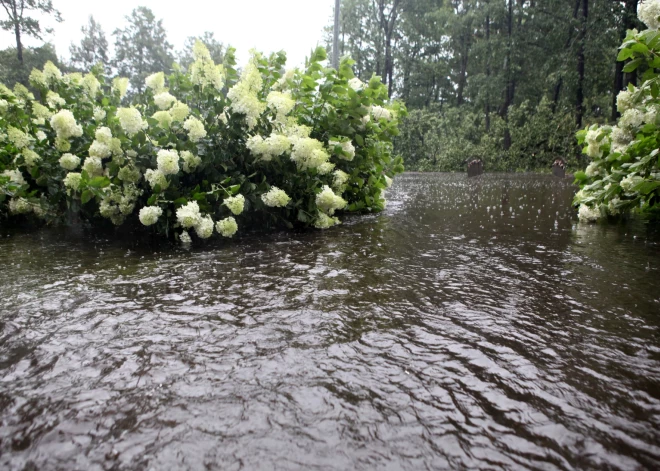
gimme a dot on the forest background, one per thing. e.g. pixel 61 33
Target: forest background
pixel 505 81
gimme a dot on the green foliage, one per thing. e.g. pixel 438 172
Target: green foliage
pixel 12 71
pixel 272 148
pixel 624 173
pixel 498 62
pixel 446 140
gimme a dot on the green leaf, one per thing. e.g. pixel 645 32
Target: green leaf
pixel 99 182
pixel 234 189
pixel 180 201
pixel 624 54
pixel 632 65
pixel 86 196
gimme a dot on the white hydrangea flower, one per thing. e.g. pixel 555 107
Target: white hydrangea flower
pixel 19 206
pixel 188 215
pixel 130 120
pixel 648 13
pixel 323 221
pixel 179 111
pixel 328 201
pixel 156 82
pixel 37 79
pixel 74 79
pixel 340 179
pixel 185 238
pixel 235 204
pixel 72 181
pixel 281 103
pixel 99 149
pixel 325 168
pixel 17 137
pixel 347 149
pixel 14 176
pixel 51 73
pixel 129 174
pixel 190 161
pixel 204 228
pixel 41 112
pixel 64 124
pixel 629 181
pixel 30 157
pixel 99 114
pixel 244 95
pixel 227 227
pixel 620 139
pixel 624 101
pixel 156 177
pixel 164 100
pixel 204 71
pixel 164 119
pixel 195 129
pixel 592 169
pixel 593 144
pixel 356 84
pixel 168 161
pixel 69 161
pixel 275 198
pixel 308 153
pixel 41 136
pixel 4 104
pixel 588 214
pixel 54 100
pixel 93 166
pixel 91 85
pixel 379 112
pixel 120 84
pixel 388 181
pixel 631 119
pixel 613 206
pixel 149 215
pixel 273 146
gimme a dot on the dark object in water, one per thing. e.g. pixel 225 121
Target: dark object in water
pixel 559 168
pixel 475 167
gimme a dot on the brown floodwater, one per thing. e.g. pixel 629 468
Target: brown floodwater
pixel 474 324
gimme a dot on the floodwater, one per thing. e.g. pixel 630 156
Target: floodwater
pixel 474 324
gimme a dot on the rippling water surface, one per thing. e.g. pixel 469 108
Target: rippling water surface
pixel 472 325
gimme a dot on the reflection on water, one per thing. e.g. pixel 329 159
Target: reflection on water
pixel 473 324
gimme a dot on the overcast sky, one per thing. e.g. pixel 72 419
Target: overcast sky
pixel 295 26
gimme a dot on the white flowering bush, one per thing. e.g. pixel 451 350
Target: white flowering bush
pixel 209 151
pixel 624 172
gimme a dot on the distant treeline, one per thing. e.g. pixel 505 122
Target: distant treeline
pixel 508 81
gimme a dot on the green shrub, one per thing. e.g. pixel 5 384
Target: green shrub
pixel 199 150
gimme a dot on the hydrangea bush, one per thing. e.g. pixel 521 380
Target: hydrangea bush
pixel 201 151
pixel 624 172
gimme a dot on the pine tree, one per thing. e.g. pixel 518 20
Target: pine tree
pixel 141 48
pixel 93 48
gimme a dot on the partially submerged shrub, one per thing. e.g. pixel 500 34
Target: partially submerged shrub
pixel 202 150
pixel 624 172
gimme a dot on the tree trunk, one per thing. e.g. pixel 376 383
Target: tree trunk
pixel 510 85
pixel 579 105
pixel 19 46
pixel 567 44
pixel 487 105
